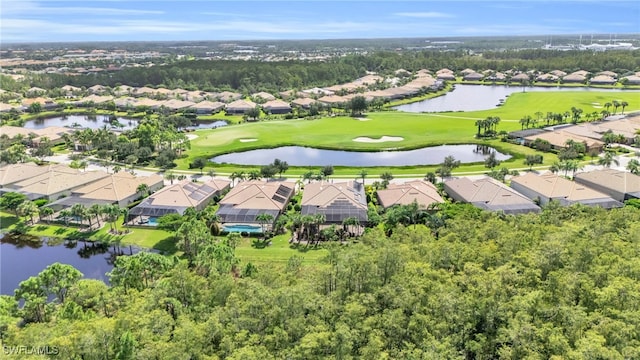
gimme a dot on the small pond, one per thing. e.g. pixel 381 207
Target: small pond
pixel 481 97
pixel 98 121
pixel 24 256
pixel 304 156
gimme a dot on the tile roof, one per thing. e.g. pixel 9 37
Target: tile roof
pixel 423 192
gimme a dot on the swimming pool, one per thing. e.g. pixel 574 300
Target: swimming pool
pixel 251 229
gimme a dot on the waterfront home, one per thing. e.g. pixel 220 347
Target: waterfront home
pixel 176 198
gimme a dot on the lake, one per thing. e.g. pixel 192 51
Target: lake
pixel 304 156
pixel 23 257
pixel 481 97
pixel 98 121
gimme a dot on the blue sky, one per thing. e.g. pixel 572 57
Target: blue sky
pixel 134 20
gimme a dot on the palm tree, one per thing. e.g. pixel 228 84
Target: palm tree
pixel 96 210
pixel 308 176
pixel 169 175
pixel 143 189
pixel 264 219
pixel 116 169
pixel 65 214
pixel 112 213
pixel 237 175
pixel 78 211
pixel 46 212
pixel 211 173
pixel 254 175
pixel 480 124
pixel 616 105
pixel 607 159
pixel 28 208
pixel 624 104
pixel 386 178
pixel 634 166
pixel 607 105
pixel 363 174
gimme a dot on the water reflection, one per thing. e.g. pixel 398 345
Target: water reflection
pixel 304 156
pixel 24 256
pixel 481 97
pixel 110 121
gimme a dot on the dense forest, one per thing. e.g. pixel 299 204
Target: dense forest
pixel 251 76
pixel 561 284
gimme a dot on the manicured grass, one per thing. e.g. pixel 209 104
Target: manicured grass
pixel 417 129
pixel 279 251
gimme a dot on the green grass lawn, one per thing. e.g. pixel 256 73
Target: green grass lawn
pixel 249 250
pixel 417 130
pixel 279 251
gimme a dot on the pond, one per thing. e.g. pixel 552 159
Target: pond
pixel 98 121
pixel 481 97
pixel 24 256
pixel 304 156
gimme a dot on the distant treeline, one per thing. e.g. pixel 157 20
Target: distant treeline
pixel 250 76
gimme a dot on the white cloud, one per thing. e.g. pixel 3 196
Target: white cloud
pixel 29 8
pixel 426 15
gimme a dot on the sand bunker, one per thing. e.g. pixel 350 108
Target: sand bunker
pixel 382 139
pixel 363 119
pixel 192 136
pixel 248 140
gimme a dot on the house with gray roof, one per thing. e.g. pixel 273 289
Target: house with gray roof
pixel 336 201
pixel 276 107
pixel 239 107
pixel 547 187
pixel 248 199
pixel 489 194
pixel 208 107
pixel 620 185
pixel 176 198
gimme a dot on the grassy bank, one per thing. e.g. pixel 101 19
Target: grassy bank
pixel 249 249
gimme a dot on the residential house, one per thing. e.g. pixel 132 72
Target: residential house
pixel 547 187
pixel 473 76
pixel 547 78
pixel 489 194
pixel 261 97
pixel 304 103
pixel 176 198
pixel 57 182
pixel 239 107
pixel 620 185
pixel 522 77
pixel 98 89
pixel 119 189
pixel 559 139
pixel 574 78
pixel 208 107
pixel 602 80
pixel 422 192
pixel 631 80
pixel 336 201
pixel 276 107
pixel 249 199
pixel 228 96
